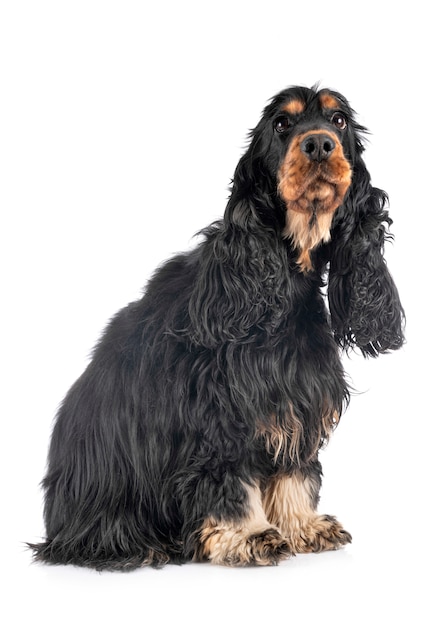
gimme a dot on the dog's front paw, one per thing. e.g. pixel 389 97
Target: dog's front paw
pixel 226 545
pixel 268 548
pixel 322 532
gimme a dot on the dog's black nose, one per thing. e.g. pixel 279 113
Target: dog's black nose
pixel 318 147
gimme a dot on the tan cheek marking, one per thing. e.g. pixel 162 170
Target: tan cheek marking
pixel 294 107
pixel 297 172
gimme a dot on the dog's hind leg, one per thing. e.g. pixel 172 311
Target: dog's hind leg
pixel 291 500
pixel 248 539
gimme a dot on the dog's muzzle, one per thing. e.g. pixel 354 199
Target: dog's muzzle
pixel 315 174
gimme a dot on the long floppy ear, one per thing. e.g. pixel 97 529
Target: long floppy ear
pixel 363 299
pixel 241 281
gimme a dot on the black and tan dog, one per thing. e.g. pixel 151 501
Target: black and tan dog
pixel 194 432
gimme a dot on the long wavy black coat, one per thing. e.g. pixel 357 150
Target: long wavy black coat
pixel 194 432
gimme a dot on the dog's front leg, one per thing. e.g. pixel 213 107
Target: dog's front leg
pixel 290 501
pixel 247 538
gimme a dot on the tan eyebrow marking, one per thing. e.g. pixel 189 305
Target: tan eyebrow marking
pixel 294 107
pixel 328 101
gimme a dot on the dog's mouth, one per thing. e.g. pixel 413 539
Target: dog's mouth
pixel 317 195
pixel 312 188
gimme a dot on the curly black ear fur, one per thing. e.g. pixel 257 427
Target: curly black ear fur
pixel 364 303
pixel 241 281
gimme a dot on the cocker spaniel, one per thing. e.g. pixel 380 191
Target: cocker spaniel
pixel 195 430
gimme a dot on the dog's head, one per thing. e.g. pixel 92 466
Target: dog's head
pixel 304 150
pixel 304 171
pixel 313 133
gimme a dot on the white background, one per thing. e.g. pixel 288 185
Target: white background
pixel 121 126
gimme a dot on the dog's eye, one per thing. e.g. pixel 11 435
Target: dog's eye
pixel 282 124
pixel 339 120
